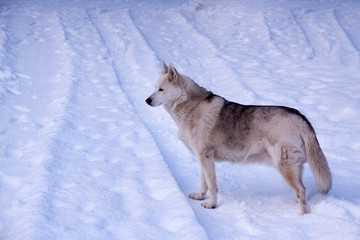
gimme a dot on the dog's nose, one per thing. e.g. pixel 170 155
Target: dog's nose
pixel 148 101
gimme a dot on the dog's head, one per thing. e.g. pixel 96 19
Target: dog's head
pixel 167 89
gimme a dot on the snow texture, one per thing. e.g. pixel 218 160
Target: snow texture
pixel 83 157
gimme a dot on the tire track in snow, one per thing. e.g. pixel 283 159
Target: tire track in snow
pixel 216 45
pixel 348 19
pixel 8 83
pixel 286 34
pixel 79 200
pixel 346 32
pixel 294 13
pixel 326 36
pixel 246 46
pixel 34 115
pixel 6 75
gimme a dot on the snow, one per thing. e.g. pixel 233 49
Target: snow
pixel 83 157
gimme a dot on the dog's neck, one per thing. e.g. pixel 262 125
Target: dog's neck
pixel 191 96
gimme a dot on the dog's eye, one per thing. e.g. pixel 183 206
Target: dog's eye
pixel 160 89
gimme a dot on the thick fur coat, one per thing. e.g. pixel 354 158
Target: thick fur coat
pixel 215 129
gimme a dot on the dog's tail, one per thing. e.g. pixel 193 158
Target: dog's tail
pixel 317 160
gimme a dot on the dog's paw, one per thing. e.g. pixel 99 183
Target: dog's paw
pixel 197 196
pixel 210 205
pixel 304 211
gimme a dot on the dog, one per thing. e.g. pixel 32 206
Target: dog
pixel 215 129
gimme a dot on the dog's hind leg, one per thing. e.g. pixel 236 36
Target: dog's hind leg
pixel 203 188
pixel 291 168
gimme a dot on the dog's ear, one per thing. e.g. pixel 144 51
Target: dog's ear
pixel 173 74
pixel 165 68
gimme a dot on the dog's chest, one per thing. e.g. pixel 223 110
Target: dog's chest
pixel 196 126
pixel 195 135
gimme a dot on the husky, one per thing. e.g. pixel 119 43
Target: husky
pixel 215 129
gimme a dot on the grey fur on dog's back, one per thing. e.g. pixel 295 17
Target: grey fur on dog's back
pixel 247 115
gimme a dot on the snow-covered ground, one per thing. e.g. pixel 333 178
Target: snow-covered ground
pixel 83 157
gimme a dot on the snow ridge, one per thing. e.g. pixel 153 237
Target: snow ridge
pixel 336 15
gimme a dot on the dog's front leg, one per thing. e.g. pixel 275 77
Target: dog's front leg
pixel 208 169
pixel 203 188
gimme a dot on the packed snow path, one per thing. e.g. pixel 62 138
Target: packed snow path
pixel 83 157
